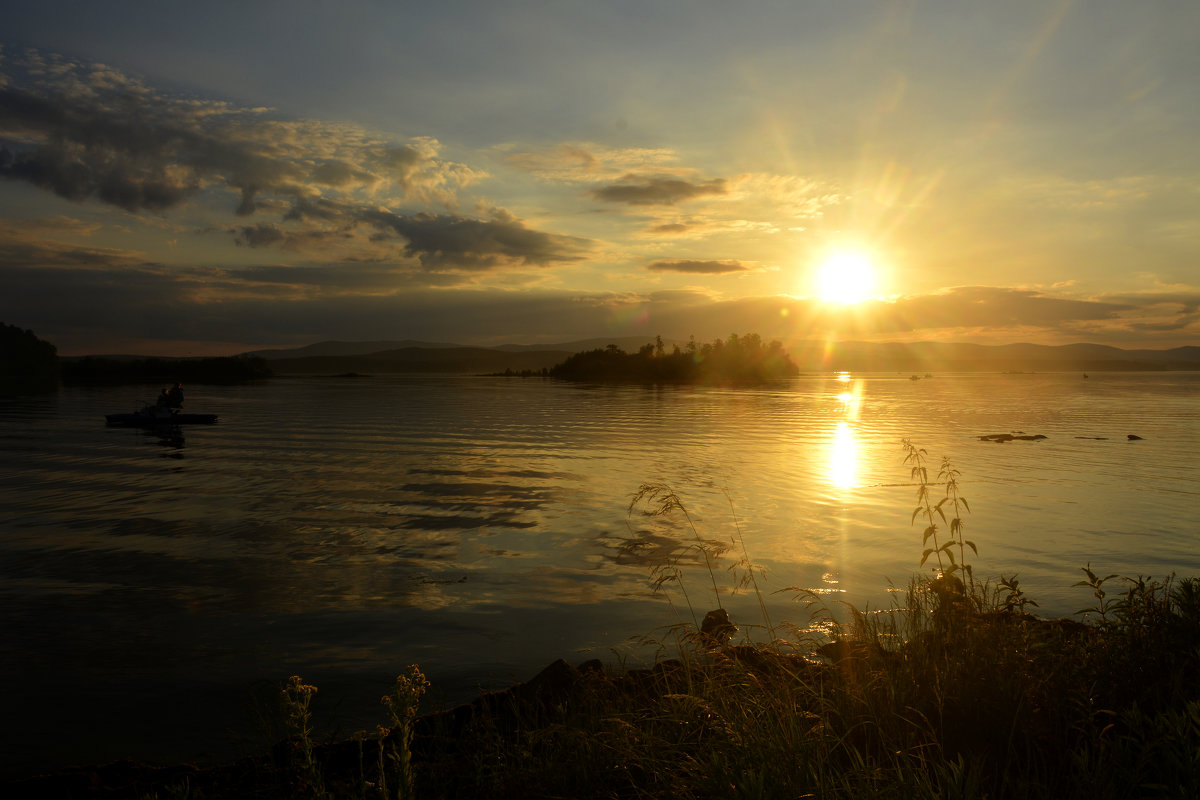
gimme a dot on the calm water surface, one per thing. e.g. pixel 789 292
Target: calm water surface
pixel 155 587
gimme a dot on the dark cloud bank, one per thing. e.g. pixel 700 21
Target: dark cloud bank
pixel 89 294
pixel 86 133
pixel 692 267
pixel 656 190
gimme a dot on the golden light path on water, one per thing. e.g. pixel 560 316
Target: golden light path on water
pixel 841 474
pixel 843 446
pixel 486 519
pixel 843 458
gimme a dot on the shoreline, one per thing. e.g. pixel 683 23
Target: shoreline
pixel 715 694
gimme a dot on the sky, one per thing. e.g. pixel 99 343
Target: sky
pixel 210 178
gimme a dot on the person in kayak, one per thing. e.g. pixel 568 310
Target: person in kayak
pixel 175 396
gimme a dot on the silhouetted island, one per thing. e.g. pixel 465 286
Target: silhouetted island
pixel 739 361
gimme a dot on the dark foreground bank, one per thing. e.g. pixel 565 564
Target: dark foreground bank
pixel 958 693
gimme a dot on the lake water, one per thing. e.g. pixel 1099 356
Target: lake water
pixel 155 588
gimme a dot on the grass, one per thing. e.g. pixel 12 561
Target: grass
pixel 954 692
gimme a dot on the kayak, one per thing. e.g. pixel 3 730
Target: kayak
pixel 152 415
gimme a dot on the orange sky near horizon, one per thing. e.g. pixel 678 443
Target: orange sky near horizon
pixel 487 173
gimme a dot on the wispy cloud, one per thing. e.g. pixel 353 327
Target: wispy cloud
pixel 73 291
pixel 437 241
pixel 588 162
pixel 696 267
pixel 87 132
pixel 639 190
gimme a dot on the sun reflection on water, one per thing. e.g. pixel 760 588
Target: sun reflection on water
pixel 843 447
pixel 843 457
pixel 850 396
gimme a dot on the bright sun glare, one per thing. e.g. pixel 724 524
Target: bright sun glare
pixel 846 277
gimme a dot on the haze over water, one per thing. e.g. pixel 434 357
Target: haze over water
pixel 342 529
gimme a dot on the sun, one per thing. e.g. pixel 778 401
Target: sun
pixel 846 277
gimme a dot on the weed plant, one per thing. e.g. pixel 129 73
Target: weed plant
pixel 297 698
pixel 395 747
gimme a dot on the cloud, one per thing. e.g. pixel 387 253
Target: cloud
pixel 696 267
pixel 450 241
pixel 786 198
pixel 48 226
pixel 700 226
pixel 340 173
pixel 984 306
pixel 670 229
pixel 87 131
pixel 1149 313
pixel 23 244
pixel 657 190
pixel 259 235
pixel 81 297
pixel 76 294
pixel 589 162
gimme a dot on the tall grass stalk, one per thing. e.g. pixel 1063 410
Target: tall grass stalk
pixel 659 500
pixel 749 568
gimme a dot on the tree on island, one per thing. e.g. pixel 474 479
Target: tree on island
pixel 26 362
pixel 739 360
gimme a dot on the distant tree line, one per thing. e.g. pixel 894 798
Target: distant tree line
pixel 509 372
pixel 26 362
pixel 29 364
pixel 738 360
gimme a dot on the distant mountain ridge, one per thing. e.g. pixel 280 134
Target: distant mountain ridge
pixel 471 360
pixel 416 356
pixel 957 357
pixel 339 348
pixel 337 357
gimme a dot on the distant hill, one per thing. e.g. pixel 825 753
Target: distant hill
pixel 472 360
pixel 334 348
pixel 628 343
pixel 335 357
pixel 949 357
pixel 337 348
